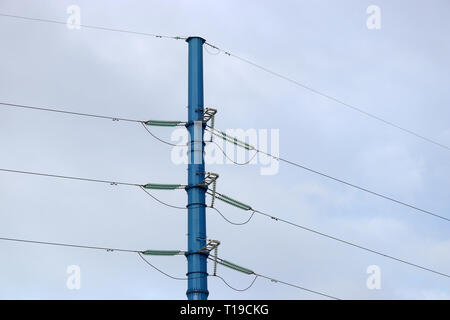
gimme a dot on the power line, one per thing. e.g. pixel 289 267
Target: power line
pixel 246 207
pixel 67 112
pixel 111 182
pixel 233 161
pixel 297 83
pixel 277 158
pixel 350 184
pixel 297 286
pixel 353 107
pixel 234 288
pixel 73 113
pixel 160 201
pixel 139 252
pixel 60 244
pixel 231 222
pixel 178 38
pixel 277 281
pixel 163 272
pixel 162 140
pixel 95 27
pixel 276 218
pixel 351 243
pixel 361 188
pixel 159 270
pixel 108 249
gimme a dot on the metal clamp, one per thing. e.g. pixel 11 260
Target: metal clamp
pixel 210 246
pixel 209 114
pixel 211 178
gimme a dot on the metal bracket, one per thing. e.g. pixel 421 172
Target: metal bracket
pixel 211 178
pixel 209 114
pixel 210 246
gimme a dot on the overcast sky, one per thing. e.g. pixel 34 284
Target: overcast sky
pixel 399 72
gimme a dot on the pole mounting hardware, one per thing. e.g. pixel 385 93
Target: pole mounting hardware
pixel 210 246
pixel 211 179
pixel 209 114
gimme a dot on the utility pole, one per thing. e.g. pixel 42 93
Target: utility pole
pixel 197 272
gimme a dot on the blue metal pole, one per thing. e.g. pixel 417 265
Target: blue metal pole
pixel 197 272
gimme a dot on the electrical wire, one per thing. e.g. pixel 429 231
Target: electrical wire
pixel 168 275
pixel 109 249
pixel 359 188
pixel 297 286
pixel 322 234
pixel 231 222
pixel 215 53
pixel 345 241
pixel 94 27
pixel 255 211
pixel 327 96
pixel 111 182
pixel 276 281
pixel 233 288
pixel 235 162
pixel 90 115
pixel 245 61
pixel 353 185
pixel 93 180
pixel 105 248
pixel 287 161
pixel 159 270
pixel 161 140
pixel 162 202
pixel 67 112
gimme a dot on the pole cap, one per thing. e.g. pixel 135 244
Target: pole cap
pixel 195 37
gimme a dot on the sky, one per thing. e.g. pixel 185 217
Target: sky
pixel 399 72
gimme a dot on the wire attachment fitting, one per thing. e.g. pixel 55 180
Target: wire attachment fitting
pixel 159 186
pixel 210 246
pixel 231 201
pixel 209 115
pixel 211 179
pixel 151 252
pixel 161 123
pixel 231 139
pixel 234 266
